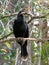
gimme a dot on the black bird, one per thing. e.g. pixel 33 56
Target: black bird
pixel 20 29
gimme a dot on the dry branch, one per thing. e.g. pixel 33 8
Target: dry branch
pixel 31 39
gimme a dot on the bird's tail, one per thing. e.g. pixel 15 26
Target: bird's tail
pixel 24 53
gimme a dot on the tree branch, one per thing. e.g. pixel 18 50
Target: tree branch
pixel 37 17
pixel 31 39
pixel 12 14
pixel 32 17
pixel 6 36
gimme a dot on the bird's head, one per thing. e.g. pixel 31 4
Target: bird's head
pixel 21 13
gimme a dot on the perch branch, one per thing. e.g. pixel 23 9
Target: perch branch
pixel 31 39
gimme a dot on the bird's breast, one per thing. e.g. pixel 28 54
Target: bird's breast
pixel 20 31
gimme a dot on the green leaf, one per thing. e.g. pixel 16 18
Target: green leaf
pixel 5 57
pixel 33 4
pixel 12 53
pixel 8 45
pixel 5 19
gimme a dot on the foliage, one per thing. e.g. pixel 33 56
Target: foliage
pixel 45 53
